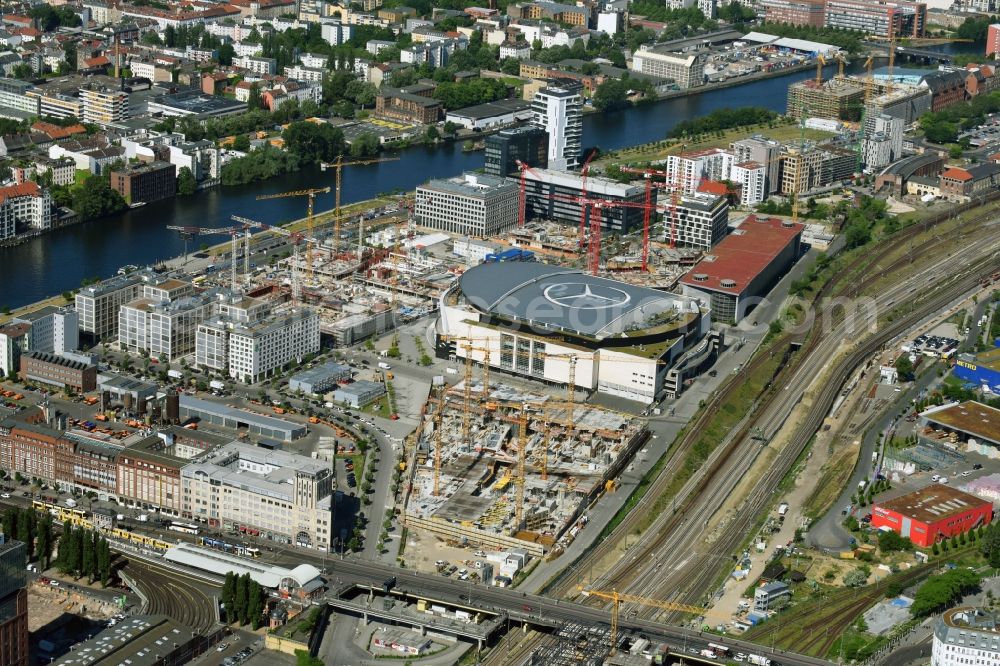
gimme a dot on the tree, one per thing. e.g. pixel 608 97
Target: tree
pixel 241 142
pixel 229 596
pixel 186 183
pixel 226 53
pixel 24 530
pixel 243 598
pixel 312 142
pixel 904 366
pixel 611 95
pixel 889 542
pixel 432 134
pixel 989 544
pixel 88 561
pixel 366 144
pixel 96 199
pixel 255 604
pixel 104 561
pixel 941 591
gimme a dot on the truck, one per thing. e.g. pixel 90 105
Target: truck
pixel 385 366
pixel 175 374
pixel 783 509
pixel 216 385
pixel 71 503
pixel 758 660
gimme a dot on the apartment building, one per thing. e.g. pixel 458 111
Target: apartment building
pixel 147 181
pixel 407 105
pixel 697 220
pixel 794 12
pixel 474 205
pixel 752 178
pixel 881 18
pixel 689 169
pixel 104 106
pixel 282 496
pixel 62 171
pixel 559 111
pixel 687 70
pixel 764 151
pixel 256 65
pixel 25 206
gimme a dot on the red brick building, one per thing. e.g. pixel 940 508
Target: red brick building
pixel 59 371
pixel 411 105
pixel 145 182
pixel 932 514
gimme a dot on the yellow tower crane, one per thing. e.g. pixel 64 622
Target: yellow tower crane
pixel 869 79
pixel 338 166
pixel 840 67
pixel 820 63
pixel 892 58
pixel 617 598
pixel 437 445
pixel 311 198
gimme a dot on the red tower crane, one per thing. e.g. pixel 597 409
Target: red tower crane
pixel 584 172
pixel 523 201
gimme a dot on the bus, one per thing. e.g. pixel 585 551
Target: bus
pixel 186 528
pixel 719 650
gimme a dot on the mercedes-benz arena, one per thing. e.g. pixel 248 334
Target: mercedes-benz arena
pixel 536 320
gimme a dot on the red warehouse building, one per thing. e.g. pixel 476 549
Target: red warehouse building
pixel 931 514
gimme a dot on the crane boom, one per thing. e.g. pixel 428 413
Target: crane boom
pixel 338 166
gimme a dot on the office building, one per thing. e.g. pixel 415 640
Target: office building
pixel 52 329
pixel 164 318
pixel 97 304
pixel 880 18
pixel 794 12
pixel 966 635
pixel 282 496
pixel 549 196
pixel 697 220
pixel 13 603
pixel 507 147
pixel 11 345
pixel 145 182
pixel 257 351
pixel 470 205
pixel 559 111
pixel 744 266
pixel 764 151
pixel 58 371
pixel 103 106
pixel 687 70
pixel 931 514
pixel 14 96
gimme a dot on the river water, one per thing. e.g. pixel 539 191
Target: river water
pixel 59 261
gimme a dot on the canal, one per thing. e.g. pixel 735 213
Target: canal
pixel 59 261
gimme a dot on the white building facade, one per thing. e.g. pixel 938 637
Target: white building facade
pixel 559 111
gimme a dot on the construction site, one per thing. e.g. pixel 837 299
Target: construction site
pixel 504 468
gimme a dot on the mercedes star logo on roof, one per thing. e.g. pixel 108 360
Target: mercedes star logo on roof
pixel 583 296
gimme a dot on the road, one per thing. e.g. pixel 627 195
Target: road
pixel 543 611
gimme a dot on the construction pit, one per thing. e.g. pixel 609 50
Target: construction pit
pixel 465 482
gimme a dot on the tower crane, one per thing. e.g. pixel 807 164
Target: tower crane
pixel 820 63
pixel 311 194
pixel 234 232
pixel 584 172
pixel 840 66
pixel 294 236
pixel 523 199
pixel 616 598
pixel 338 166
pixel 437 445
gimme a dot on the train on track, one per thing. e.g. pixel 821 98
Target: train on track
pixel 79 518
pixel 226 547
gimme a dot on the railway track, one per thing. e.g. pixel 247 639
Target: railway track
pixel 514 649
pixel 666 525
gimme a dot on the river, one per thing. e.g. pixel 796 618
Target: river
pixel 59 261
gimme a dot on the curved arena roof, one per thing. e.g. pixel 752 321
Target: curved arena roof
pixel 566 299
